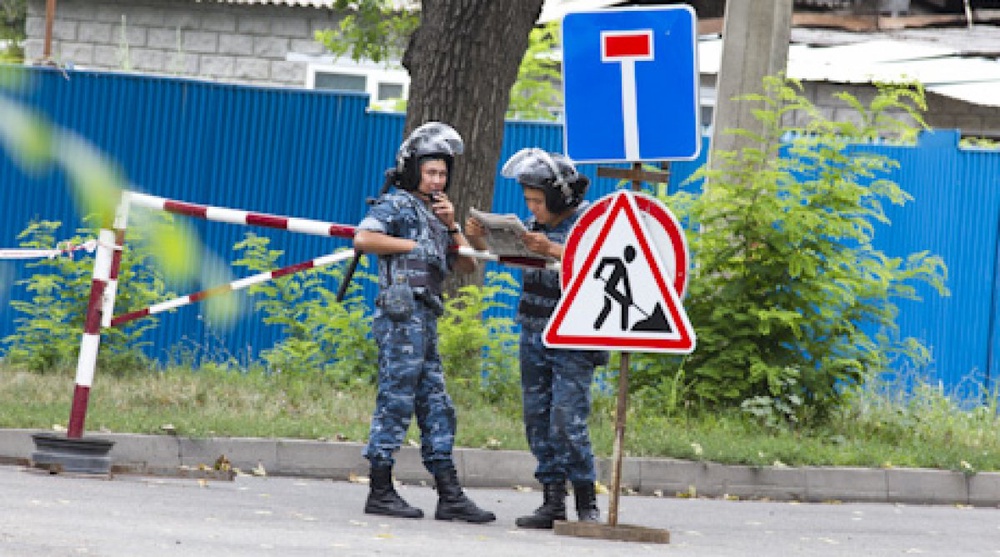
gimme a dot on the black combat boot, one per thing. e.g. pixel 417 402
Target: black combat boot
pixel 553 508
pixel 383 499
pixel 586 501
pixel 452 502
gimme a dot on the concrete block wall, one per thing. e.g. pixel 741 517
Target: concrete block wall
pixel 252 44
pixel 942 112
pixel 974 120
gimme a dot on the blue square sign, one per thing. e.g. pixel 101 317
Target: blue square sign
pixel 630 83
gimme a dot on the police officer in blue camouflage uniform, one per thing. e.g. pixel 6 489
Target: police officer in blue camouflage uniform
pixel 411 229
pixel 555 384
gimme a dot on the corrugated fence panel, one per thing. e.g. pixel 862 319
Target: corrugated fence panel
pixel 385 132
pixel 289 152
pixel 319 155
pixel 954 214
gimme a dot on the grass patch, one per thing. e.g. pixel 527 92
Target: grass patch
pixel 220 403
pixel 877 428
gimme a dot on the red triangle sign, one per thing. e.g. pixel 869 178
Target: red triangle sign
pixel 621 298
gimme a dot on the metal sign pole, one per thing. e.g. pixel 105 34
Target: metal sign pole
pixel 612 530
pixel 621 410
pixel 616 465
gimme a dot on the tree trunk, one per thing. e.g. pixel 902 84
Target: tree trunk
pixel 463 60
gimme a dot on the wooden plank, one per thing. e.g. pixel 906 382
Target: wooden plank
pixel 710 26
pixel 619 532
pixel 633 174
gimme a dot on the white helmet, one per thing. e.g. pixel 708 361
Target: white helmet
pixel 553 173
pixel 431 140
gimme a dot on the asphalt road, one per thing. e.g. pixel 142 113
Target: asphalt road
pixel 63 515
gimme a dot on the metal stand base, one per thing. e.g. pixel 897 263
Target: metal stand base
pixel 620 532
pixel 57 453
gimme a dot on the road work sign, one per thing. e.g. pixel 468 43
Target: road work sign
pixel 624 271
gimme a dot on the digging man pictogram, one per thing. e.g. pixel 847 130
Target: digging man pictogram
pixel 617 288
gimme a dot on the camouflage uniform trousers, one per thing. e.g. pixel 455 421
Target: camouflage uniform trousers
pixel 410 382
pixel 555 387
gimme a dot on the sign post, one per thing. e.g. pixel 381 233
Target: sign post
pixel 632 71
pixel 629 250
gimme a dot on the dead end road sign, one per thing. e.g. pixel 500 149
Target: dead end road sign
pixel 624 272
pixel 630 84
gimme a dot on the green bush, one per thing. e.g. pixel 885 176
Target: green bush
pixel 480 354
pixel 321 335
pixel 334 339
pixel 786 282
pixel 49 325
pixel 13 17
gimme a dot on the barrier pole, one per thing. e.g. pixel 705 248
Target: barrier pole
pixel 231 287
pixel 298 225
pixel 111 293
pixel 106 264
pixel 240 217
pixel 36 253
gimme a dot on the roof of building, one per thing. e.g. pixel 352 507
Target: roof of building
pixel 302 3
pixel 960 62
pixel 553 9
pixel 298 3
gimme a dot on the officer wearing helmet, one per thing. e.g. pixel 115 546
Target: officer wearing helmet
pixel 411 230
pixel 555 384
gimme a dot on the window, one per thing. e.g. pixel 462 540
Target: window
pixel 387 91
pixel 383 86
pixel 340 82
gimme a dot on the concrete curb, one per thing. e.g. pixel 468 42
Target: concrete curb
pixel 502 469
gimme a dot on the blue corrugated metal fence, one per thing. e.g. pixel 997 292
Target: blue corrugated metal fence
pixel 318 155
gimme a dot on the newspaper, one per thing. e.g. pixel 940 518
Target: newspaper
pixel 503 234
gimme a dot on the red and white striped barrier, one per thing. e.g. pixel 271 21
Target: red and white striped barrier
pixel 264 277
pixel 531 262
pixel 246 218
pixel 100 307
pixel 298 225
pixel 232 287
pixel 30 253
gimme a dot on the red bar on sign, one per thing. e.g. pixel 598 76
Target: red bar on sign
pixel 622 46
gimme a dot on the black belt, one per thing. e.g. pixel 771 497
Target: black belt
pixel 427 277
pixel 533 310
pixel 539 289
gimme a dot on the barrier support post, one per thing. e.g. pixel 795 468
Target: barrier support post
pixel 100 308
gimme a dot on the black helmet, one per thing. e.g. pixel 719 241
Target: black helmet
pixel 553 173
pixel 432 140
